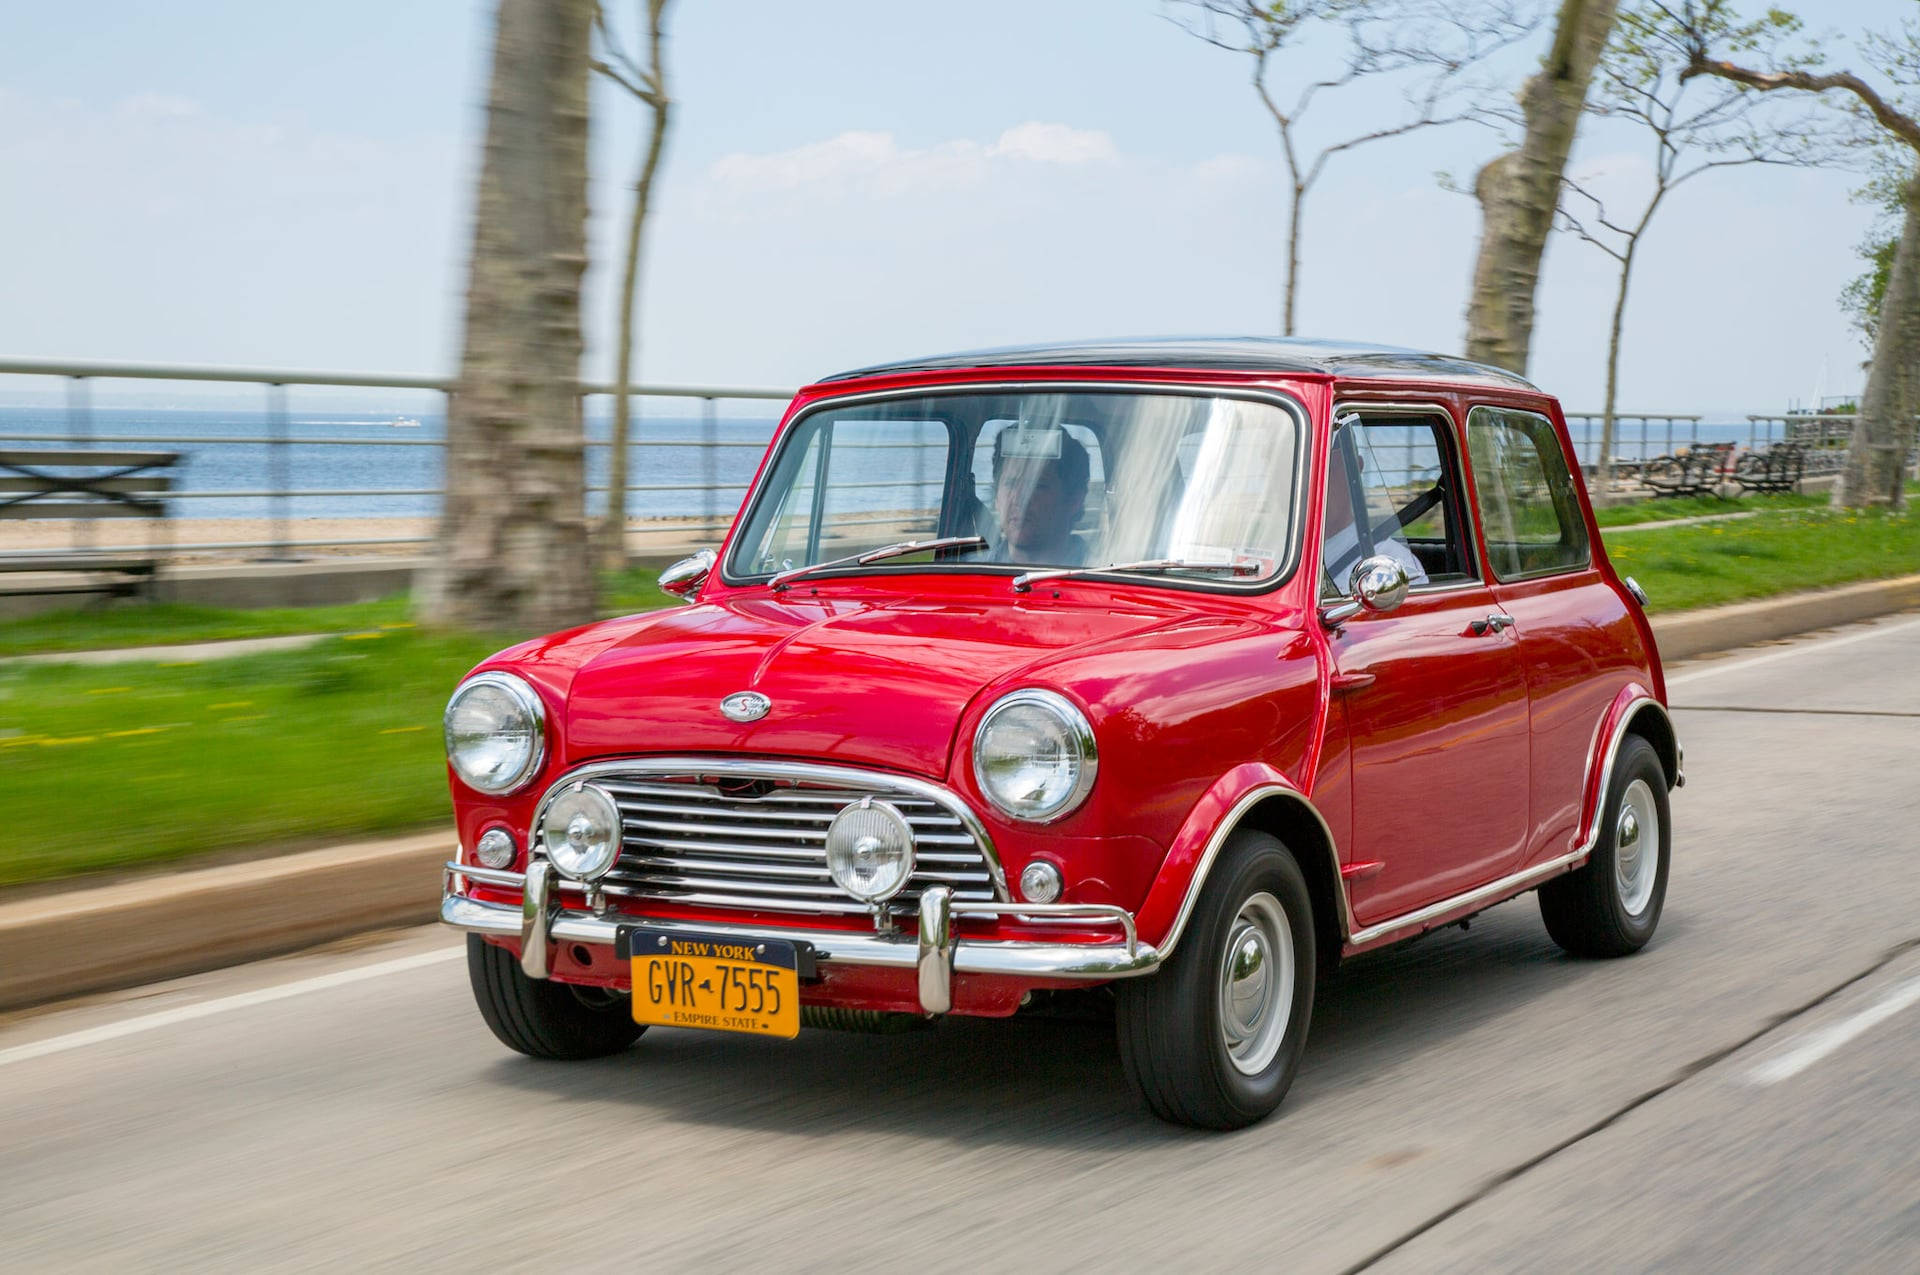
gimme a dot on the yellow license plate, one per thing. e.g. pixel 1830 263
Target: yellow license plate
pixel 716 982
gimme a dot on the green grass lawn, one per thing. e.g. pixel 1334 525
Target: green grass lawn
pixel 125 624
pixel 1702 507
pixel 1776 552
pixel 110 766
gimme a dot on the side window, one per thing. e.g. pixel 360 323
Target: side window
pixel 1393 488
pixel 1528 507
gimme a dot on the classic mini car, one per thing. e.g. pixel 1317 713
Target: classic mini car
pixel 1180 669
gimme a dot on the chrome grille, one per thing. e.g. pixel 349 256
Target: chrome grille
pixel 747 836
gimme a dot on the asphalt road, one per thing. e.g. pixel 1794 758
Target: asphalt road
pixel 1745 1094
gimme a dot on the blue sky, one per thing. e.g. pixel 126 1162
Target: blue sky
pixel 848 181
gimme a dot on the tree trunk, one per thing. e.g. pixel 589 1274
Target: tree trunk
pixel 1293 260
pixel 1603 477
pixel 511 552
pixel 614 530
pixel 1883 431
pixel 1520 190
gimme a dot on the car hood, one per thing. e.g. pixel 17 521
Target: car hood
pixel 878 681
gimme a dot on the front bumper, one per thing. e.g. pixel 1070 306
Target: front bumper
pixel 936 953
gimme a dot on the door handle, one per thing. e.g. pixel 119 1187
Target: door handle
pixel 1492 624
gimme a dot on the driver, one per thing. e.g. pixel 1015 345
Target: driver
pixel 1341 550
pixel 1039 489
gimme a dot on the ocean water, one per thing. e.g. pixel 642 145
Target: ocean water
pixel 359 464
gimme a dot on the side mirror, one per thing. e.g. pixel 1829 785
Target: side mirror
pixel 684 578
pixel 1378 584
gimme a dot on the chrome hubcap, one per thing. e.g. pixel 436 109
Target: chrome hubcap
pixel 1256 983
pixel 1636 848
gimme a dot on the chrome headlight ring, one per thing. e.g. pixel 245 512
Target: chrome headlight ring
pixel 520 712
pixel 1056 776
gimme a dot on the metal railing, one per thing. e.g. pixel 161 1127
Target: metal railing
pixel 277 473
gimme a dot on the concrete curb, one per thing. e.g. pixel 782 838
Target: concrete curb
pixel 140 931
pixel 1690 634
pixel 155 927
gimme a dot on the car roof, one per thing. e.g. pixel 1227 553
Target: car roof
pixel 1284 355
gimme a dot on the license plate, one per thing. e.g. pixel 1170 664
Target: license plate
pixel 715 981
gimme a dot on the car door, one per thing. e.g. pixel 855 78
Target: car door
pixel 1575 638
pixel 1432 695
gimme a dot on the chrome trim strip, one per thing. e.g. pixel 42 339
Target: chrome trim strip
pixel 1224 829
pixel 1492 892
pixel 1281 398
pixel 536 909
pixel 1633 709
pixel 847 775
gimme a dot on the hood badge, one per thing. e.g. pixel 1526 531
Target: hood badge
pixel 745 706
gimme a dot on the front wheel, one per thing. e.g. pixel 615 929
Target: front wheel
pixel 1610 906
pixel 543 1019
pixel 1213 1038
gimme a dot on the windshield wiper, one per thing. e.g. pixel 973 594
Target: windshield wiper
pixel 1025 581
pixel 901 549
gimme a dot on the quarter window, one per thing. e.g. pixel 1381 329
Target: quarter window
pixel 1524 490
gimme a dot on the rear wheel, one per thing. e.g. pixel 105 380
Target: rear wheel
pixel 543 1019
pixel 1610 906
pixel 1213 1038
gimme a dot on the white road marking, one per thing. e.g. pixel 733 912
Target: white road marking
pixel 1827 644
pixel 221 1005
pixel 1819 1044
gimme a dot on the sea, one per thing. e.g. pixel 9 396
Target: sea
pixel 369 463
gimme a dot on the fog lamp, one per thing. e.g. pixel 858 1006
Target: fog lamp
pixel 1039 882
pixel 870 850
pixel 496 848
pixel 580 832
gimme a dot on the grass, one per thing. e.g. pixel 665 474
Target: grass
pixel 1782 551
pixel 1702 507
pixel 130 624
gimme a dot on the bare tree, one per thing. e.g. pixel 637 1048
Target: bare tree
pixel 511 551
pixel 646 78
pixel 1519 190
pixel 1430 45
pixel 1693 128
pixel 1876 465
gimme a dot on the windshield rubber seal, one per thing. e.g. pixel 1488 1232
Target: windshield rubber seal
pixel 1287 402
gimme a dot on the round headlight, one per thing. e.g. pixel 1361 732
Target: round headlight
pixel 496 733
pixel 496 848
pixel 870 850
pixel 580 832
pixel 1033 755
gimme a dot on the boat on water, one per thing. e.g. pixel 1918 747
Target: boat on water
pixel 404 422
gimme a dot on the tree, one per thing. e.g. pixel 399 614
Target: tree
pixel 1430 45
pixel 1694 129
pixel 511 551
pixel 1520 190
pixel 1864 295
pixel 1876 464
pixel 646 79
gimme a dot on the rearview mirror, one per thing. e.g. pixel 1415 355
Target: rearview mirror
pixel 684 578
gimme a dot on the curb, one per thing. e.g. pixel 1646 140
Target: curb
pixel 1690 634
pixel 140 931
pixel 155 927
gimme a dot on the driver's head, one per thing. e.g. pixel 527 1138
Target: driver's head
pixel 1039 489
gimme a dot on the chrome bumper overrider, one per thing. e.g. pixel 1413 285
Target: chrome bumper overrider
pixel 936 953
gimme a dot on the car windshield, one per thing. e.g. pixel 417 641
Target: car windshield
pixel 1081 479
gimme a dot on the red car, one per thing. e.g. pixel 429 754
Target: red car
pixel 1176 668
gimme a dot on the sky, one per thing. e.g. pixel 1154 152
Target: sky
pixel 848 181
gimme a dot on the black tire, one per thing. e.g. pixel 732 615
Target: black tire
pixel 542 1019
pixel 1584 910
pixel 1172 1038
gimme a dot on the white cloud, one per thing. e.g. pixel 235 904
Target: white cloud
pixel 874 163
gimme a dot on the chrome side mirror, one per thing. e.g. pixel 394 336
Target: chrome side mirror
pixel 684 578
pixel 1378 584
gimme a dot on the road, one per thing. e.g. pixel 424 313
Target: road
pixel 1741 1095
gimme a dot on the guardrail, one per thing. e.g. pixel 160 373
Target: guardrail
pixel 277 485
